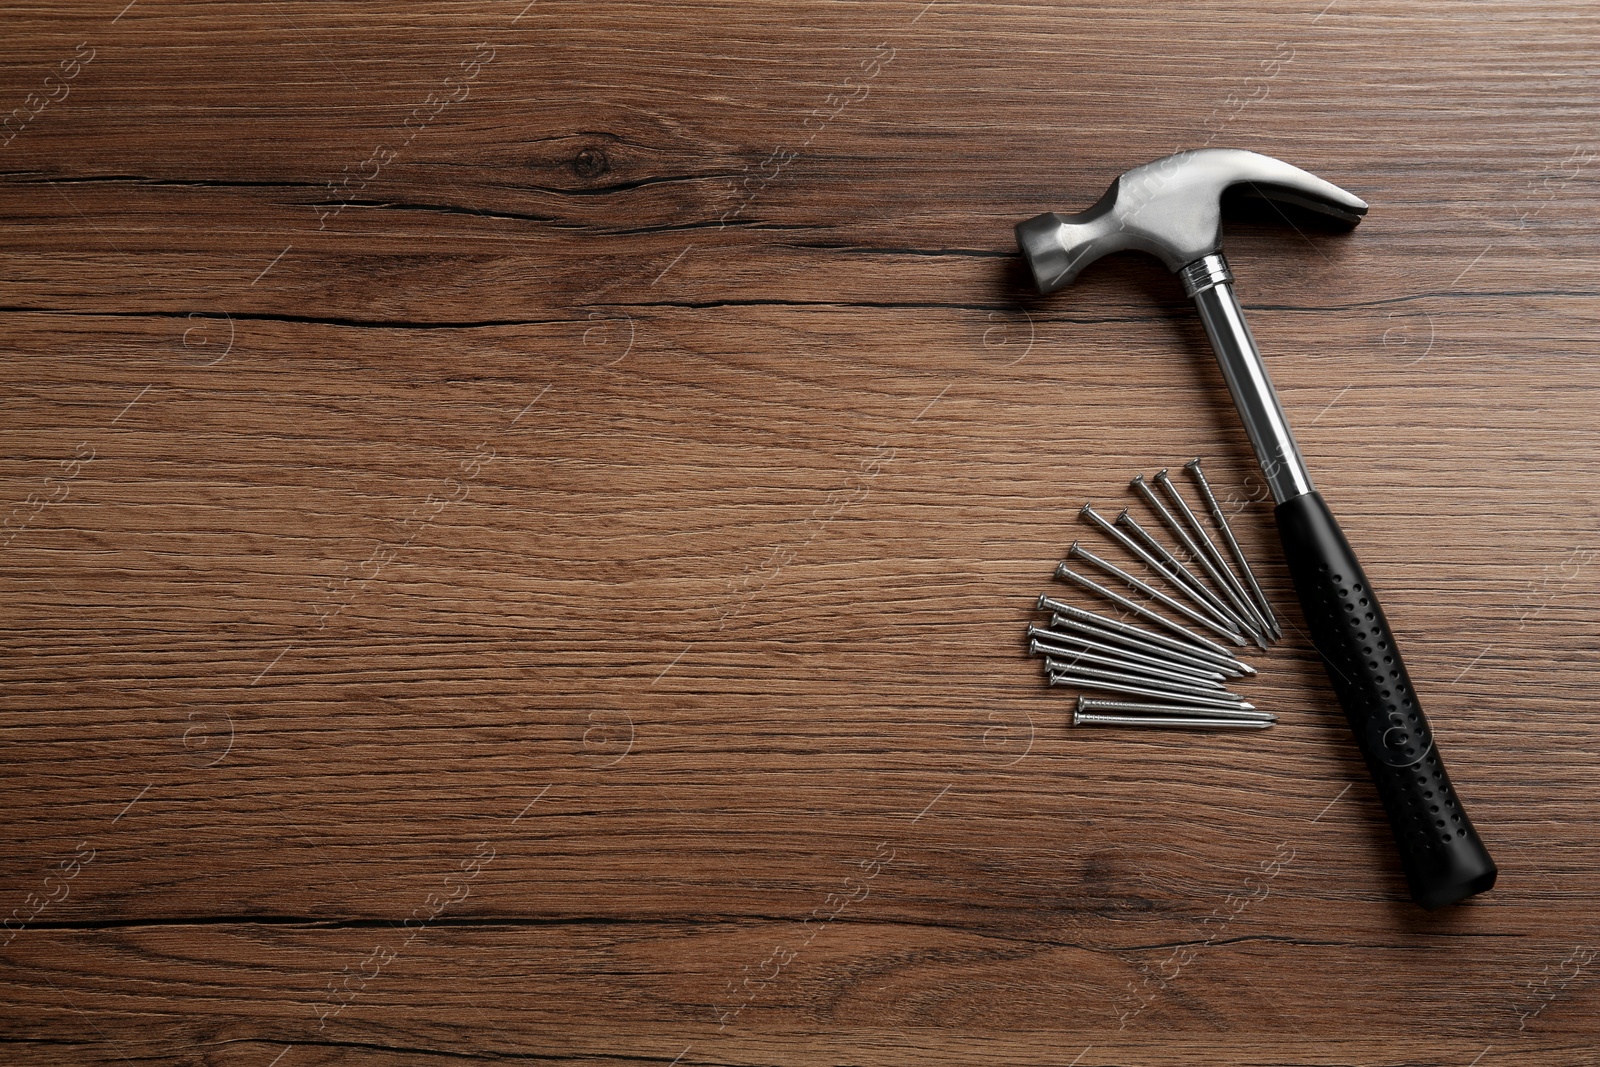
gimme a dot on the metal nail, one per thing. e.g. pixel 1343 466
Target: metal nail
pixel 1217 516
pixel 1207 546
pixel 1170 569
pixel 1160 551
pixel 1084 718
pixel 1066 572
pixel 1134 687
pixel 1139 633
pixel 1141 487
pixel 1229 631
pixel 1104 647
pixel 1180 690
pixel 1068 657
pixel 1180 660
pixel 1128 707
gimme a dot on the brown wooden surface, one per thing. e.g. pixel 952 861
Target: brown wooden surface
pixel 498 576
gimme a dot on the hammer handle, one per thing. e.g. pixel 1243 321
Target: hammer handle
pixel 1443 858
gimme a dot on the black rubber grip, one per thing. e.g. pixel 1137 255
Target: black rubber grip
pixel 1443 858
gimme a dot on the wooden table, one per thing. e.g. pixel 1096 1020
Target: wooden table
pixel 522 517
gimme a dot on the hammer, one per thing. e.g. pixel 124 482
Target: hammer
pixel 1172 209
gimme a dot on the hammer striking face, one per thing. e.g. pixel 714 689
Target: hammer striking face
pixel 1172 209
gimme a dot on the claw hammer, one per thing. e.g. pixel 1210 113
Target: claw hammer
pixel 1171 208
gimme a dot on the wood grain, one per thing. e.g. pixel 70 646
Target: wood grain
pixel 521 520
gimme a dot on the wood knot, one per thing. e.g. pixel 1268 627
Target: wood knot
pixel 590 163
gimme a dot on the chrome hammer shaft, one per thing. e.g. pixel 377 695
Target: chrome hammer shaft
pixel 1210 284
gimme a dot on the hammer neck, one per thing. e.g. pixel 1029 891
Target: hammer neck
pixel 1207 272
pixel 1209 282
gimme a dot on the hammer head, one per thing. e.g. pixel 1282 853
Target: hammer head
pixel 1171 209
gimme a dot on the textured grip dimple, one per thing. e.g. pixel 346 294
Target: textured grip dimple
pixel 1443 858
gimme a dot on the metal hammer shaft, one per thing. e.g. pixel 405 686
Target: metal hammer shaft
pixel 1209 283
